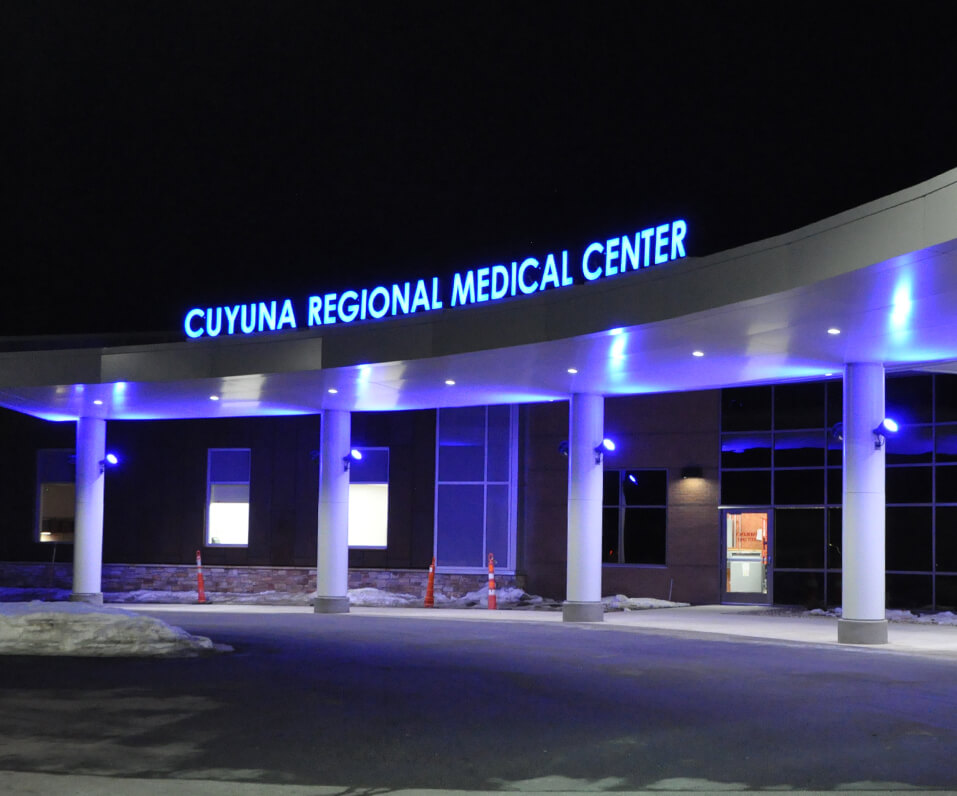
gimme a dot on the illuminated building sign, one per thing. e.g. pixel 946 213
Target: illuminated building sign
pixel 599 260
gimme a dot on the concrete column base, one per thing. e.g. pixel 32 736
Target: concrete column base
pixel 862 631
pixel 583 612
pixel 331 605
pixel 92 599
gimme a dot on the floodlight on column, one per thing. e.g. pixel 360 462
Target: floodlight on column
pixel 347 459
pixel 605 445
pixel 886 426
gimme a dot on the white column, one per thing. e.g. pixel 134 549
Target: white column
pixel 88 523
pixel 863 619
pixel 585 432
pixel 332 570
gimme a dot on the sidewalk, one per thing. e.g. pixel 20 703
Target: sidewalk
pixel 730 622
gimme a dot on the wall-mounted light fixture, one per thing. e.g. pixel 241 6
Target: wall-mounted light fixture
pixel 886 426
pixel 605 445
pixel 111 460
pixel 692 471
pixel 347 459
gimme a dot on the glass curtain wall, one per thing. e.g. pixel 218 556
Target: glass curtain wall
pixel 779 450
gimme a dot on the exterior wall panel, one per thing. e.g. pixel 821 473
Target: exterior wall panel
pixel 670 431
pixel 155 502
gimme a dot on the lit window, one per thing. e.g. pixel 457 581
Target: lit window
pixel 56 495
pixel 369 498
pixel 227 497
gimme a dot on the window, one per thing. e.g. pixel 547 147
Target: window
pixel 746 409
pixel 227 497
pixel 634 508
pixel 474 497
pixel 56 495
pixel 369 499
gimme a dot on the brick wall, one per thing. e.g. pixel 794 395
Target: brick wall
pixel 242 580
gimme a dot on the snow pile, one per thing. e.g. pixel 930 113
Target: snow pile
pixel 620 602
pixel 192 597
pixel 67 628
pixel 899 615
pixel 10 594
pixel 506 597
pixel 370 597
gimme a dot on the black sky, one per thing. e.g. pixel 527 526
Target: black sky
pixel 166 155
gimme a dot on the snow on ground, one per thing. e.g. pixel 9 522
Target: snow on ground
pixel 507 597
pixel 67 628
pixel 620 602
pixel 898 615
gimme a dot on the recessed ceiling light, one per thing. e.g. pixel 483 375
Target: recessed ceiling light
pixel 332 390
pixel 213 397
pixel 833 330
pixel 573 371
pixel 450 382
pixel 697 353
pixel 98 402
pixel 617 331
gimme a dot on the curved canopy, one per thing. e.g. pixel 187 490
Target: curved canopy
pixel 881 277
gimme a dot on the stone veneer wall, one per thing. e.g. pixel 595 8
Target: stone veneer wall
pixel 242 580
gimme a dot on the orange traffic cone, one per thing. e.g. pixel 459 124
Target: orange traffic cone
pixel 200 586
pixel 492 603
pixel 430 588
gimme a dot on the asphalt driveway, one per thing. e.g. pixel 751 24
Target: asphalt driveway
pixel 367 703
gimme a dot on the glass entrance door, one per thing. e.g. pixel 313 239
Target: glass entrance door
pixel 747 564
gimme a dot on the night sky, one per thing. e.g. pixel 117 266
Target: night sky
pixel 166 155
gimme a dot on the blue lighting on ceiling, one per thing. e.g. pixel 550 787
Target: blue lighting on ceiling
pixel 902 305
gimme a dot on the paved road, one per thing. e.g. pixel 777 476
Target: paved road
pixel 364 704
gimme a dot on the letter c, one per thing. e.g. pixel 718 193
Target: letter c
pixel 190 331
pixel 595 248
pixel 529 262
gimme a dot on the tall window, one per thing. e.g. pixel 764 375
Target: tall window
pixel 56 495
pixel 634 509
pixel 227 497
pixel 474 502
pixel 369 499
